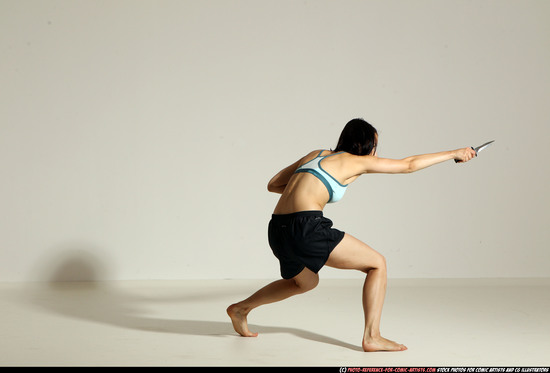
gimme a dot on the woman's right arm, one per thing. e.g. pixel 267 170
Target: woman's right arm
pixel 371 164
pixel 278 183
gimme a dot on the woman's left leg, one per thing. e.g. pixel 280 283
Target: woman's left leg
pixel 351 253
pixel 273 292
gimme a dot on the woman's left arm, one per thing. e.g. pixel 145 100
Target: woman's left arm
pixel 412 164
pixel 278 183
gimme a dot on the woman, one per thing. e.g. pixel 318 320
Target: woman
pixel 303 240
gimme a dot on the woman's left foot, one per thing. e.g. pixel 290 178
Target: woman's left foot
pixel 381 344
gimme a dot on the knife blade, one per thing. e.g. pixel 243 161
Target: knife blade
pixel 479 148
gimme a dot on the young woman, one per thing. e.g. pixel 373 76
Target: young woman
pixel 303 239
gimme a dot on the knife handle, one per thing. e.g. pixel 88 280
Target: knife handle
pixel 457 161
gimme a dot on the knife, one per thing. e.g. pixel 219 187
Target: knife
pixel 479 148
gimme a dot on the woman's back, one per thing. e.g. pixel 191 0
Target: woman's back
pixel 318 178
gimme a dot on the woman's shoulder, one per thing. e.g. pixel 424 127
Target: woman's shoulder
pixel 329 153
pixel 308 157
pixel 313 154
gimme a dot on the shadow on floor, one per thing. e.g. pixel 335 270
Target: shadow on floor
pixel 99 302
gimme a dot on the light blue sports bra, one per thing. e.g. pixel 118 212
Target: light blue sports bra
pixel 335 189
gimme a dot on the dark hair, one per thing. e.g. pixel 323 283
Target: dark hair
pixel 358 137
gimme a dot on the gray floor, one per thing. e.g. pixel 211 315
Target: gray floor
pixel 183 323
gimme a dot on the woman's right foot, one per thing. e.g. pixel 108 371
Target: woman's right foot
pixel 238 318
pixel 381 344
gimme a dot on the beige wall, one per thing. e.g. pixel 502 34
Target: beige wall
pixel 137 137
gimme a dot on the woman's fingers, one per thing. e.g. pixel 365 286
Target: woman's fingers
pixel 466 154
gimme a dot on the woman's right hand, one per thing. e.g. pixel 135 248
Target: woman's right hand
pixel 464 155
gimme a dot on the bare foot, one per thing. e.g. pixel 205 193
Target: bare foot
pixel 381 344
pixel 238 318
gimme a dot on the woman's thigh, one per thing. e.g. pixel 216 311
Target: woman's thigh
pixel 352 253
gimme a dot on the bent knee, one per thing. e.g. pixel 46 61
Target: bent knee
pixel 307 284
pixel 382 262
pixel 379 262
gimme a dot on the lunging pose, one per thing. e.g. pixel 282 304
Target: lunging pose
pixel 304 240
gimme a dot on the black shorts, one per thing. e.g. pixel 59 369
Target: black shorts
pixel 302 239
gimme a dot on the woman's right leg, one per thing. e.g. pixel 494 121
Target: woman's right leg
pixel 274 292
pixel 351 253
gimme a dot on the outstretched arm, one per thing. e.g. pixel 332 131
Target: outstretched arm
pixel 415 163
